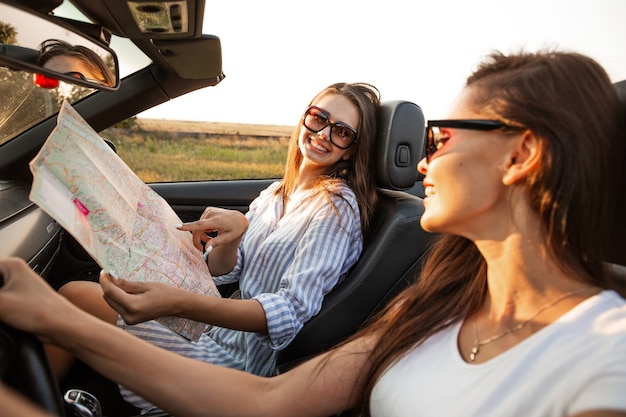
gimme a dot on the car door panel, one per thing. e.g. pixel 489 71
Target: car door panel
pixel 189 199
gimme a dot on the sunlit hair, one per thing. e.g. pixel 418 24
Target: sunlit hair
pixel 568 101
pixel 55 47
pixel 358 170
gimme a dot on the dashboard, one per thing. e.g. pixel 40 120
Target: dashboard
pixel 26 231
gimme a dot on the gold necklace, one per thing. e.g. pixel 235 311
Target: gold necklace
pixel 479 343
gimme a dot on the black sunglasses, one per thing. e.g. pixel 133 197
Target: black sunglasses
pixel 341 135
pixel 435 139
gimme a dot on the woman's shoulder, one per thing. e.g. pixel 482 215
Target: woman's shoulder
pixel 611 300
pixel 265 197
pixel 341 193
pixel 601 333
pixel 613 303
pixel 605 313
pixel 269 191
pixel 598 321
pixel 272 187
pixel 338 188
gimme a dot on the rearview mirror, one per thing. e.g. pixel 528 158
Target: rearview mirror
pixel 52 49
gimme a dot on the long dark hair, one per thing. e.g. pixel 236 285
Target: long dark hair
pixel 357 171
pixel 568 101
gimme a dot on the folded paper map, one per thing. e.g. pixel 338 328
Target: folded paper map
pixel 120 221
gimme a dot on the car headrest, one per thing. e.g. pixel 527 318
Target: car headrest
pixel 618 242
pixel 399 144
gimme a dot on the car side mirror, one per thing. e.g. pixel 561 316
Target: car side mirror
pixel 56 49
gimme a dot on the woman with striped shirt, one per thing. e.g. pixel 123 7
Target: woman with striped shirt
pixel 299 238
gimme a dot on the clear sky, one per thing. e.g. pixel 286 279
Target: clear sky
pixel 277 54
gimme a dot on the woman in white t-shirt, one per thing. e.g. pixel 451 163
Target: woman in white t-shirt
pixel 513 314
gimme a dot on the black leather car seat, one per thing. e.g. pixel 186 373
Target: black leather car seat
pixel 619 238
pixel 617 257
pixel 391 257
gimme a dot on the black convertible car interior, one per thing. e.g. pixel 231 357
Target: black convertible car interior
pixel 181 60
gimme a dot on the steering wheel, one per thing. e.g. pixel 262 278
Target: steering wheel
pixel 24 367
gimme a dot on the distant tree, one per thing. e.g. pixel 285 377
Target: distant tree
pixel 8 33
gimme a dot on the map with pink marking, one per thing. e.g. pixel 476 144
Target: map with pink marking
pixel 119 220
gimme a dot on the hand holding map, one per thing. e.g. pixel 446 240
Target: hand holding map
pixel 120 221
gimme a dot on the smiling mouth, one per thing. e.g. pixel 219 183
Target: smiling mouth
pixel 317 146
pixel 429 190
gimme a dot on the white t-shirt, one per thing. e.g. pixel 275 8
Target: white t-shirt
pixel 575 364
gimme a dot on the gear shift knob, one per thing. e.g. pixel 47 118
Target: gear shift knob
pixel 83 403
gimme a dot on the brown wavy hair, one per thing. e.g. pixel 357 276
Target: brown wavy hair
pixel 358 170
pixel 55 47
pixel 568 101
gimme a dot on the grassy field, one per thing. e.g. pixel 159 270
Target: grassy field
pixel 227 129
pixel 159 150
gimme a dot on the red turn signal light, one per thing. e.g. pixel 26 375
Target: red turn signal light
pixel 44 81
